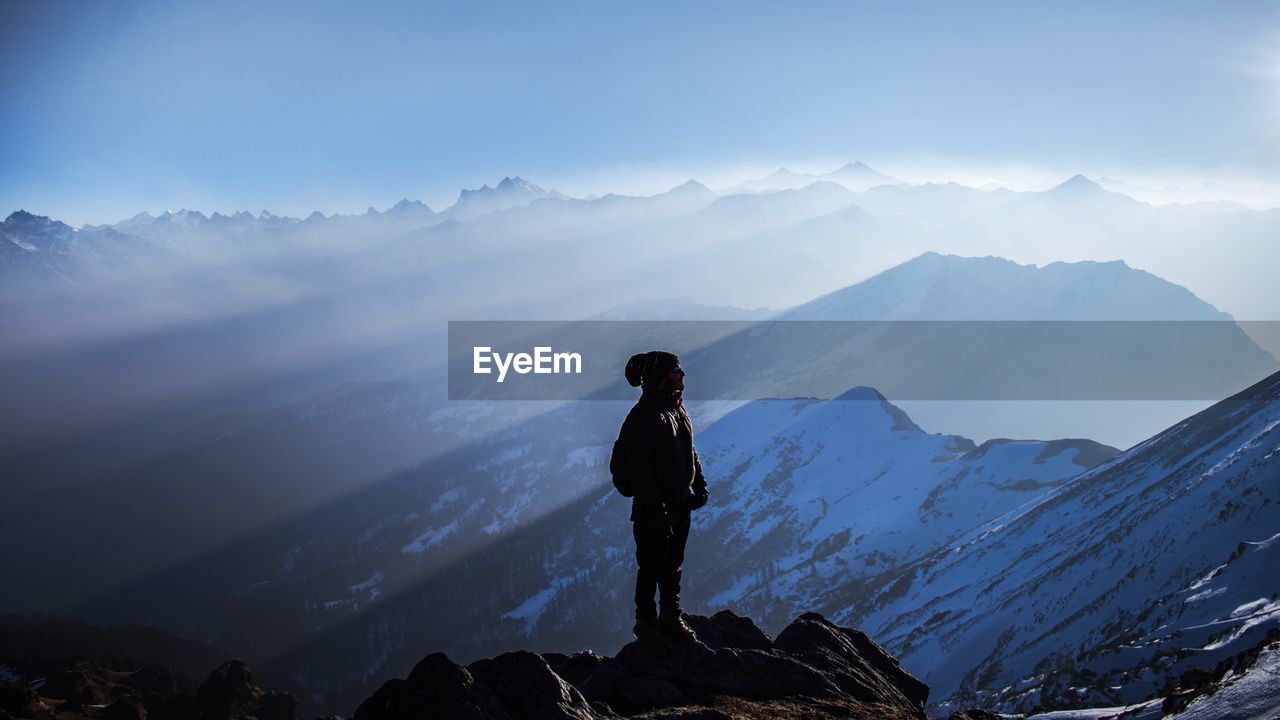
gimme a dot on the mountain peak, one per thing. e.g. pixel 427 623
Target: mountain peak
pixel 857 165
pixel 937 286
pixel 901 422
pixel 411 207
pixel 861 176
pixel 510 192
pixel 23 221
pixel 183 216
pixel 861 392
pixel 933 258
pixel 1078 183
pixel 690 187
pixel 22 216
pixel 509 184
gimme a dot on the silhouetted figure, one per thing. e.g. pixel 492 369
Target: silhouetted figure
pixel 666 477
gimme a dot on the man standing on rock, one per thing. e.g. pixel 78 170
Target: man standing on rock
pixel 667 481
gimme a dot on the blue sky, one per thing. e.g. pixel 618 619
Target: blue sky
pixel 115 107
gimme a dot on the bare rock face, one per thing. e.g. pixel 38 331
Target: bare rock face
pixel 229 692
pixel 733 669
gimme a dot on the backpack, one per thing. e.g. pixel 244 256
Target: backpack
pixel 619 466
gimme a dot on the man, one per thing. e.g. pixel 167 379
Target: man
pixel 668 484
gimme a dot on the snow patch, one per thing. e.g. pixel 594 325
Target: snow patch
pixel 429 538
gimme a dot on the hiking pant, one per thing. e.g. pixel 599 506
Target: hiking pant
pixel 659 557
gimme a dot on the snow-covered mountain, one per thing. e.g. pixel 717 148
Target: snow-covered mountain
pixel 808 496
pixel 936 286
pixel 38 251
pixel 1091 591
pixel 823 493
pixel 509 192
pixel 1154 562
pixel 963 348
pixel 855 176
pixel 218 239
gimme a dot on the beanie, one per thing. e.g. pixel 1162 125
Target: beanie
pixel 650 367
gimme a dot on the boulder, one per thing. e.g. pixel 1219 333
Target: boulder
pixel 436 688
pixel 527 688
pixel 863 670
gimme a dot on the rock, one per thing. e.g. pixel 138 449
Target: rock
pixel 554 658
pixel 82 684
pixel 861 668
pixel 154 679
pixel 975 714
pixel 435 688
pixel 727 629
pixel 528 688
pixel 125 708
pixel 600 686
pixel 686 713
pixel 574 668
pixel 603 709
pixel 17 699
pixel 178 707
pixel 229 692
pixel 276 706
pixel 648 692
pixel 699 670
pixel 814 669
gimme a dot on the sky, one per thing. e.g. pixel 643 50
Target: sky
pixel 111 108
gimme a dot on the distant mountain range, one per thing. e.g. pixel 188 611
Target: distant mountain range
pixel 855 176
pixel 244 416
pixel 776 246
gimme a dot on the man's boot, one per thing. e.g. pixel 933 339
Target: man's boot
pixel 673 625
pixel 646 628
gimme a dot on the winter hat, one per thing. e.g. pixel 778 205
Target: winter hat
pixel 650 367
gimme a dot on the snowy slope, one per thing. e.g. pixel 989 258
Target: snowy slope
pixel 807 497
pixel 814 494
pixel 1159 560
pixel 1251 695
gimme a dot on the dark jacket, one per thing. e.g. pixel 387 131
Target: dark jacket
pixel 660 452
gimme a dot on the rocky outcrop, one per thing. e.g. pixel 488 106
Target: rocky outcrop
pixel 978 715
pixel 813 669
pixel 87 690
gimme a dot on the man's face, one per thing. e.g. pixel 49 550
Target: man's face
pixel 674 381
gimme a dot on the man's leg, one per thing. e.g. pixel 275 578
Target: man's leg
pixel 651 550
pixel 669 581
